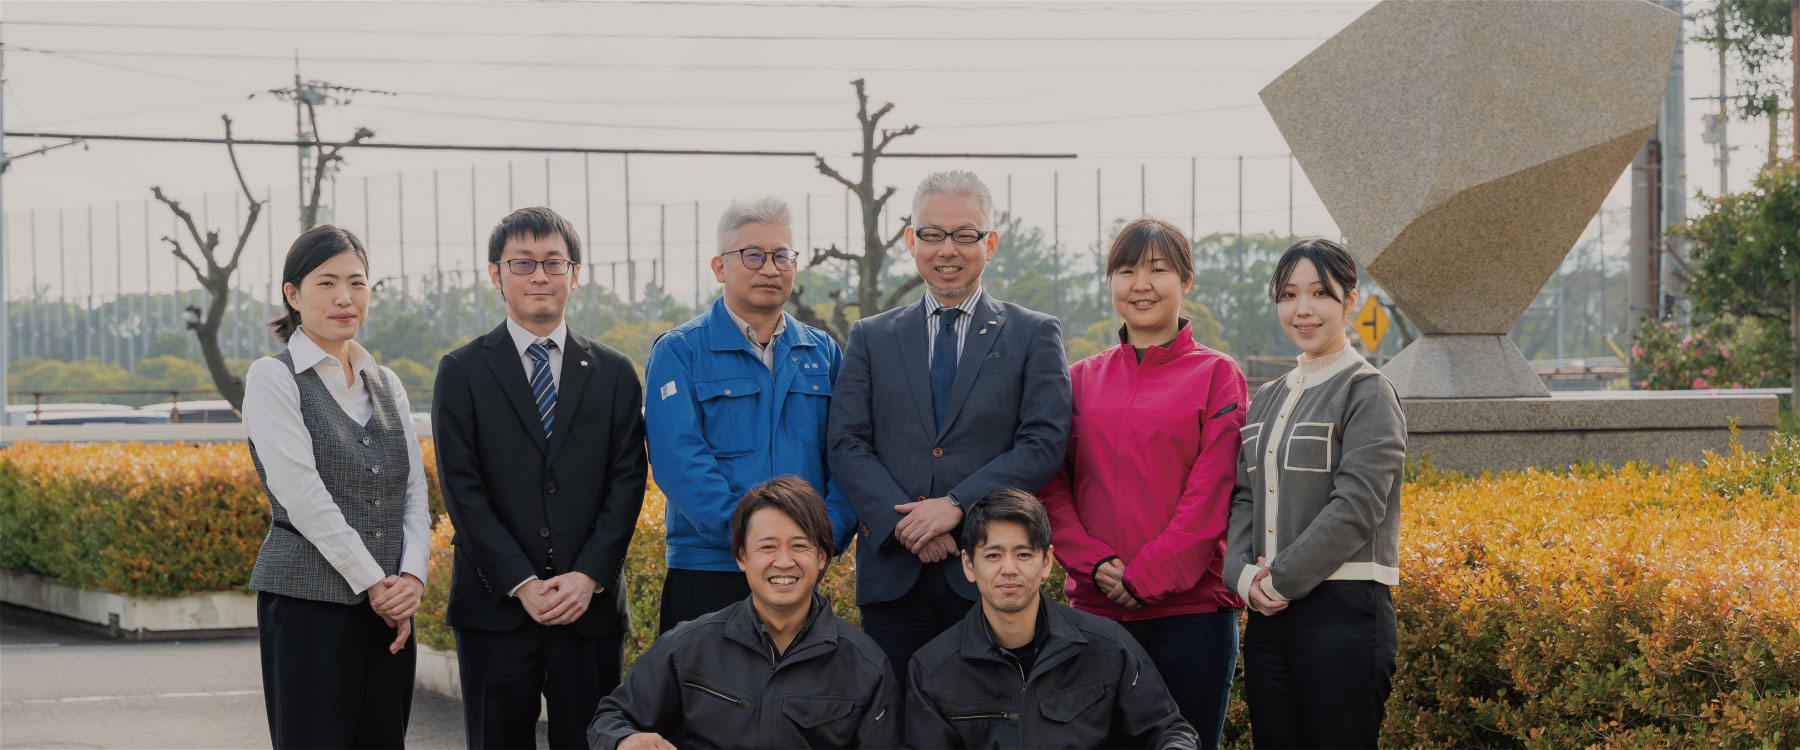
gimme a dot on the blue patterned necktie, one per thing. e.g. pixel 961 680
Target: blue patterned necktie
pixel 543 387
pixel 943 364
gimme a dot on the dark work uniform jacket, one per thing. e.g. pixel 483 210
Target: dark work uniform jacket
pixel 718 682
pixel 1091 686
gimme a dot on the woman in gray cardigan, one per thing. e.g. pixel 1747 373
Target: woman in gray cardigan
pixel 1315 521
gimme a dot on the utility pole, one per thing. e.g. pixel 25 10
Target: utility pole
pixel 300 135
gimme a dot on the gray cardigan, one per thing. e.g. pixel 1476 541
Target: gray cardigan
pixel 1318 488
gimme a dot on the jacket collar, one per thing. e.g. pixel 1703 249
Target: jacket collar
pixel 745 627
pixel 1183 343
pixel 1060 638
pixel 725 335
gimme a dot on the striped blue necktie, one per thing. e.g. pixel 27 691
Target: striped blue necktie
pixel 543 387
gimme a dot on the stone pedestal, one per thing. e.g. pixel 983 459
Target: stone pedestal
pixel 1463 366
pixel 1472 435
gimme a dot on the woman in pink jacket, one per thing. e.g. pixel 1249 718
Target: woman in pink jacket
pixel 1139 509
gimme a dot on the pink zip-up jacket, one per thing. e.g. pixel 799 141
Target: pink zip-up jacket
pixel 1148 478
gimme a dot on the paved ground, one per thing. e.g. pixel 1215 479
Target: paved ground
pixel 63 688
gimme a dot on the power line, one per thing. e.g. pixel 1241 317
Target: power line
pixel 594 65
pixel 733 129
pixel 503 149
pixel 656 36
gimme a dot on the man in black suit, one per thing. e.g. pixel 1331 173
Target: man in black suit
pixel 939 403
pixel 540 452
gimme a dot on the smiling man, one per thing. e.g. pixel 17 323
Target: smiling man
pixel 777 669
pixel 1021 671
pixel 941 402
pixel 738 395
pixel 540 451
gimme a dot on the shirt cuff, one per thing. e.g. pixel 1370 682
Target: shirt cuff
pixel 1244 580
pixel 362 574
pixel 1268 585
pixel 515 590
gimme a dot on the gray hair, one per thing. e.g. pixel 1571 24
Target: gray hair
pixel 760 211
pixel 956 182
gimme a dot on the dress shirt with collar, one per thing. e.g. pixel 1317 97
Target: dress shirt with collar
pixel 272 420
pixel 523 338
pixel 933 323
pixel 765 350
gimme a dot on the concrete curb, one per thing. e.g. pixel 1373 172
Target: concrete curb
pixel 437 672
pixel 217 614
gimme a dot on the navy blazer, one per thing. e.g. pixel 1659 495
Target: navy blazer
pixel 1007 426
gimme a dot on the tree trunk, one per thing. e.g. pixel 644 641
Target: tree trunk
pixel 231 387
pixel 1794 346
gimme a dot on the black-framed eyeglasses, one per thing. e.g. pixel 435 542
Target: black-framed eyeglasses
pixel 960 236
pixel 754 258
pixel 527 266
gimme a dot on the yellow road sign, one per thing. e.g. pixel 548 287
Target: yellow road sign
pixel 1372 323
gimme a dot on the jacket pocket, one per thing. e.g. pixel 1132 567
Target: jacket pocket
pixel 1082 701
pixel 1251 437
pixel 728 414
pixel 808 405
pixel 703 691
pixel 1309 447
pixel 823 720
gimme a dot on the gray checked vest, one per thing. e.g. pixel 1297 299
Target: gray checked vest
pixel 363 467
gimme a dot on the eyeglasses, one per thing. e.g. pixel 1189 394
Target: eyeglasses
pixel 960 236
pixel 527 266
pixel 785 260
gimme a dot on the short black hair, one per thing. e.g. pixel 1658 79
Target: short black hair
pixel 1336 268
pixel 1145 236
pixel 792 496
pixel 309 251
pixel 1018 506
pixel 535 221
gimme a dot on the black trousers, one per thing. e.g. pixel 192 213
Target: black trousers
pixel 903 626
pixel 1318 673
pixel 503 675
pixel 1196 654
pixel 328 679
pixel 691 594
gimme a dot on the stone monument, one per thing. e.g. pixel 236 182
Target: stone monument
pixel 1462 148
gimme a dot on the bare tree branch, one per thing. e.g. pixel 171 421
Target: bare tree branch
pixel 881 203
pixel 831 253
pixel 838 318
pixel 193 229
pixel 888 136
pixel 179 253
pixel 255 205
pixel 825 169
pixel 862 103
pixel 893 297
pixel 899 234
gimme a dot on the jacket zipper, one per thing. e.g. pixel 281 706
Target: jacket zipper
pixel 705 689
pixel 1007 715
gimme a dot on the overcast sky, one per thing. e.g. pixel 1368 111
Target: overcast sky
pixel 1127 86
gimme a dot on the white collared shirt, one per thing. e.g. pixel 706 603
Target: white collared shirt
pixel 765 351
pixel 522 338
pixel 933 323
pixel 273 422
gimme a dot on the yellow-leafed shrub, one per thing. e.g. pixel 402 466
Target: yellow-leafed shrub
pixel 1638 607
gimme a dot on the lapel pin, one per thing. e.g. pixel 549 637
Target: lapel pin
pixel 584 363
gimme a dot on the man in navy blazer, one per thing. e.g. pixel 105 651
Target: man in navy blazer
pixel 939 403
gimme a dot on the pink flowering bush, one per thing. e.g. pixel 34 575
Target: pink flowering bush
pixel 1724 352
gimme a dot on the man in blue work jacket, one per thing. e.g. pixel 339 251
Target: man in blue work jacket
pixel 736 396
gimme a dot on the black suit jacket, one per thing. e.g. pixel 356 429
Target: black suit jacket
pixel 521 502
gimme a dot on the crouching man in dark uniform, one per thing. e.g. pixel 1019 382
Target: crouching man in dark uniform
pixel 776 670
pixel 1023 672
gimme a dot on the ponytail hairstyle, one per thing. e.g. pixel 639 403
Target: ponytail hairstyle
pixel 309 251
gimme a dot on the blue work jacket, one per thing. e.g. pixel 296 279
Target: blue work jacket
pixel 718 422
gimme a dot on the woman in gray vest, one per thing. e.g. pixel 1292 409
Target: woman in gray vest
pixel 340 574
pixel 1315 521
